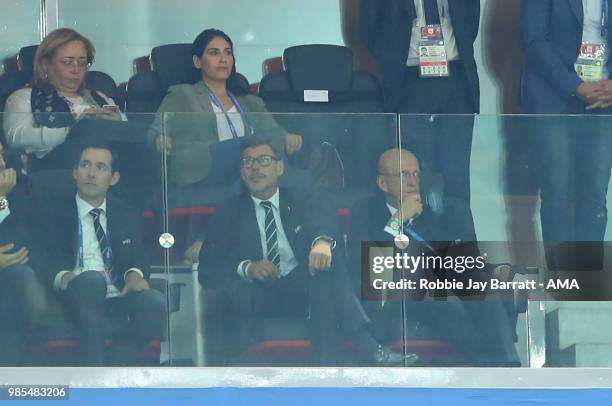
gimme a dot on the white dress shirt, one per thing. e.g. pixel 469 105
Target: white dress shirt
pixel 223 128
pixel 450 43
pixel 21 130
pixel 591 29
pixel 4 214
pixel 288 261
pixel 92 254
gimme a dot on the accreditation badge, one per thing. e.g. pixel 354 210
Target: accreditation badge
pixel 432 52
pixel 590 63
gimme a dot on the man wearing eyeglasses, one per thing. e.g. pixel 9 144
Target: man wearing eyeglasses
pixel 92 255
pixel 283 247
pixel 480 331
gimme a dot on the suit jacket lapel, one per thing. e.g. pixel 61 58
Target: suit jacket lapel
pixel 288 217
pixel 70 219
pixel 207 110
pixel 411 9
pixel 113 231
pixel 609 22
pixel 249 232
pixel 203 98
pixel 576 6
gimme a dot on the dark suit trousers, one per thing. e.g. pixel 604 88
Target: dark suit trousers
pixel 98 318
pixel 326 298
pixel 22 301
pixel 480 331
pixel 441 143
pixel 574 156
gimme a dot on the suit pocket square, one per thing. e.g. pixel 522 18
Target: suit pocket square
pixel 297 229
pixel 126 242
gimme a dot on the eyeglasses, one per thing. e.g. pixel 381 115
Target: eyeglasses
pixel 99 167
pixel 403 174
pixel 79 64
pixel 263 161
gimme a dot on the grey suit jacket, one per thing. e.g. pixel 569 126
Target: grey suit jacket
pixel 193 134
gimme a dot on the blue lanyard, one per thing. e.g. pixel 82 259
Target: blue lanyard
pixel 81 261
pixel 604 19
pixel 409 230
pixel 232 128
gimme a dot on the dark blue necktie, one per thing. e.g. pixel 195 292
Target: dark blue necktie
pixel 105 248
pixel 432 14
pixel 271 236
pixel 409 231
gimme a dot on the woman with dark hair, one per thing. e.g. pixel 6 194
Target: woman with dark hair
pixel 39 118
pixel 224 106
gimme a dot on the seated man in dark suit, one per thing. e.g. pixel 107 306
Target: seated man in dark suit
pixel 283 246
pixel 21 297
pixel 480 329
pixel 92 255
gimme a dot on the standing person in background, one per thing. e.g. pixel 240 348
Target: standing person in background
pixel 567 71
pixel 425 49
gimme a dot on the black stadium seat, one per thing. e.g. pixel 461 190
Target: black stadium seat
pixel 321 67
pixel 143 94
pixel 329 69
pixel 25 60
pixel 172 64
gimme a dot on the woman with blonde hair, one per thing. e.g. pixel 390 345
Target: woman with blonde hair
pixel 39 118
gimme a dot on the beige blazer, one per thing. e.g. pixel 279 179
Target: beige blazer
pixel 193 134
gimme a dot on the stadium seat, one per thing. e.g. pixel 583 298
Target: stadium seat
pixel 171 64
pixel 322 79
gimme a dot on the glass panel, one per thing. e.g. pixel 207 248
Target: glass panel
pixel 87 207
pixel 511 157
pixel 263 312
pixel 19 27
pixel 121 37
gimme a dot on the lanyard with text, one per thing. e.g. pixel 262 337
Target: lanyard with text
pixel 432 50
pixel 232 128
pixel 107 256
pixel 590 64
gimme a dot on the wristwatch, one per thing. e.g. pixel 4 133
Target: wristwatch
pixel 327 238
pixel 4 203
pixel 394 224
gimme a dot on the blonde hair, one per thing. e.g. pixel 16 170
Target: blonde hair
pixel 49 46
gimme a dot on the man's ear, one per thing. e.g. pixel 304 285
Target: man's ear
pixel 382 183
pixel 197 63
pixel 115 178
pixel 280 168
pixel 74 172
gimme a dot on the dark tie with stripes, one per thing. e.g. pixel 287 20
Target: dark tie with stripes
pixel 432 14
pixel 105 248
pixel 271 236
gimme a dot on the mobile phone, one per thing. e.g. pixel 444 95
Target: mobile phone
pixel 111 108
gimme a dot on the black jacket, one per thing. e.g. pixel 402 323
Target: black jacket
pixel 233 233
pixel 56 228
pixel 385 26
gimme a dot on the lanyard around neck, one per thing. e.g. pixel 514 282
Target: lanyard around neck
pixel 231 125
pixel 604 19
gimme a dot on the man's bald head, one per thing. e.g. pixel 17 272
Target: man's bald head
pixel 389 161
pixel 396 183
